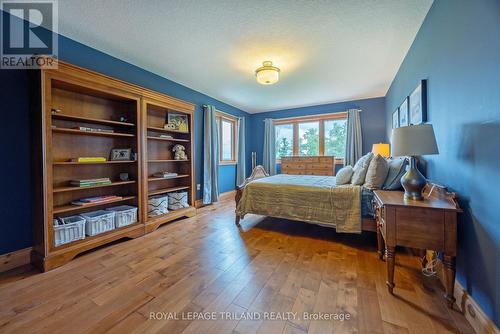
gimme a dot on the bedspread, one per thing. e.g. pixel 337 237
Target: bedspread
pixel 314 199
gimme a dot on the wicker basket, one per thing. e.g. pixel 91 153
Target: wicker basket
pixel 124 215
pixel 178 200
pixel 157 205
pixel 73 229
pixel 97 222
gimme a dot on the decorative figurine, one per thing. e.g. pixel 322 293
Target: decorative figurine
pixel 179 152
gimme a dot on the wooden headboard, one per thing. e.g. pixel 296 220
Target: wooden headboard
pixel 320 165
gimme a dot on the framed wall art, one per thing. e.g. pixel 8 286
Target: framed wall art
pixel 418 104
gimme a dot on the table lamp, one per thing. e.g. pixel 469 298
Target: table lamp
pixel 412 141
pixel 381 149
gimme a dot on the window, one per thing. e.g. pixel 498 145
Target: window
pixel 227 138
pixel 335 137
pixel 312 135
pixel 284 140
pixel 309 138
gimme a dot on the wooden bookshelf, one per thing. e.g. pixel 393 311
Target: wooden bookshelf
pixel 88 99
pixel 158 157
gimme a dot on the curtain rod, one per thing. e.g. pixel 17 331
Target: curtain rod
pixel 223 112
pixel 315 115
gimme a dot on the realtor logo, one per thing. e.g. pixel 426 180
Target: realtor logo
pixel 29 34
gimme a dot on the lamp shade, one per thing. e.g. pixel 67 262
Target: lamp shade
pixel 414 140
pixel 381 149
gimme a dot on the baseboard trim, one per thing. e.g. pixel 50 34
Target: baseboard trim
pixel 15 259
pixel 228 195
pixel 476 317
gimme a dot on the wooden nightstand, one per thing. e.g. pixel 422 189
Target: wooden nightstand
pixel 428 224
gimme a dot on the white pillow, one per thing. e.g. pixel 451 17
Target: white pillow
pixel 344 175
pixel 377 173
pixel 360 169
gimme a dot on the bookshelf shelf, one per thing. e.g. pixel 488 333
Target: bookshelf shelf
pixel 89 99
pixel 169 139
pixel 167 160
pixel 73 188
pixel 91 120
pixel 70 207
pixel 153 179
pixel 166 190
pixel 158 129
pixel 92 133
pixel 69 163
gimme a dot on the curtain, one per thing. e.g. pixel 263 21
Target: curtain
pixel 241 166
pixel 269 154
pixel 211 156
pixel 354 141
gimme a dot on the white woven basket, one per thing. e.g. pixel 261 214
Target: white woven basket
pixel 124 215
pixel 97 222
pixel 72 230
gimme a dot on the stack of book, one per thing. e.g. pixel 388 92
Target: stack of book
pixel 87 129
pixel 90 182
pixel 95 200
pixel 89 159
pixel 165 175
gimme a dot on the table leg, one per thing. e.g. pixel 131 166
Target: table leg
pixel 390 254
pixel 380 243
pixel 449 272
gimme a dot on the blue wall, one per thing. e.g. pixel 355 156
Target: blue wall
pixel 372 121
pixel 458 51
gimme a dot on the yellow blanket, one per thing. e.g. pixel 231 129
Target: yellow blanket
pixel 314 199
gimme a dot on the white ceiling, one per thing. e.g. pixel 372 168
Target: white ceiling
pixel 328 51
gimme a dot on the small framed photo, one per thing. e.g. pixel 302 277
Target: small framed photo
pixel 178 122
pixel 403 113
pixel 121 154
pixel 395 119
pixel 418 104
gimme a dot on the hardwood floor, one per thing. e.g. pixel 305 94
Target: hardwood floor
pixel 205 264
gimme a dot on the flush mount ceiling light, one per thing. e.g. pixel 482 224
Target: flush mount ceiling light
pixel 267 74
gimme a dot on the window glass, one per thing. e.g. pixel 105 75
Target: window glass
pixel 309 138
pixel 227 140
pixel 284 140
pixel 335 137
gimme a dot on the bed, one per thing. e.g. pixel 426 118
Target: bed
pixel 308 198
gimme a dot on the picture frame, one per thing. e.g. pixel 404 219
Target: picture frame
pixel 403 113
pixel 121 154
pixel 177 122
pixel 395 119
pixel 418 104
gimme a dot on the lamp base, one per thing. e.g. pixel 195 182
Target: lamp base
pixel 413 182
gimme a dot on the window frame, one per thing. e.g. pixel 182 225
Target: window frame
pixel 305 119
pixel 222 117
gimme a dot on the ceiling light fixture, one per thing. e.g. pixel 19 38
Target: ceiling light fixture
pixel 267 74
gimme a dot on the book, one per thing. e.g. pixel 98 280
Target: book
pixel 90 182
pixel 87 129
pixel 95 200
pixel 89 159
pixel 165 175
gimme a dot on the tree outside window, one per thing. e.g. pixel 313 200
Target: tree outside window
pixel 322 135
